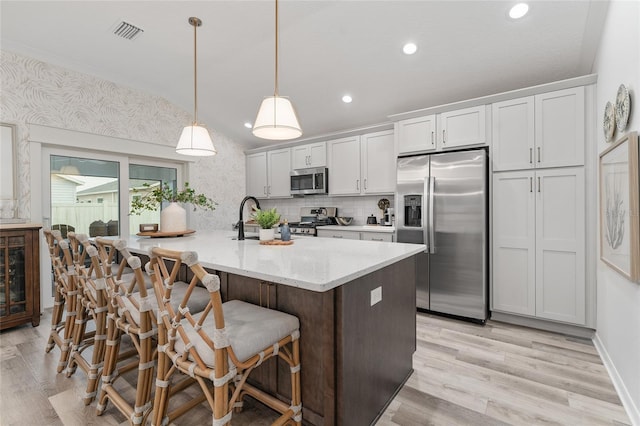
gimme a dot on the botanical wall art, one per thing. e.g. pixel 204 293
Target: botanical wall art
pixel 620 206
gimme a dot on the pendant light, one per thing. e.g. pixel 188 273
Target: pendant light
pixel 195 139
pixel 276 119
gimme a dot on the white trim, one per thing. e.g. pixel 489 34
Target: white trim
pixel 627 402
pixel 93 142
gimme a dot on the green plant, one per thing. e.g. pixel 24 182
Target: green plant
pixel 266 218
pixel 152 199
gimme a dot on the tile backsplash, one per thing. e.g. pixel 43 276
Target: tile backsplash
pixel 357 207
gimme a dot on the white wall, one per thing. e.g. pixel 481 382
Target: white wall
pixel 618 311
pixel 35 92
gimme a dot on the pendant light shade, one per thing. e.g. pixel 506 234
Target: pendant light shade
pixel 195 139
pixel 276 119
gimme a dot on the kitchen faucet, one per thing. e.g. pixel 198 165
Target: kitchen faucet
pixel 240 221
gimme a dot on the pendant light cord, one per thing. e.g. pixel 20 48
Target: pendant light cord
pixel 275 90
pixel 195 24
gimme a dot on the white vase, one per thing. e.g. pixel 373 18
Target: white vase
pixel 267 234
pixel 173 218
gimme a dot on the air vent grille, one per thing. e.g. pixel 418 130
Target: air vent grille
pixel 127 30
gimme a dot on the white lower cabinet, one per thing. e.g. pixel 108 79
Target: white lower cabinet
pixel 539 244
pixel 355 235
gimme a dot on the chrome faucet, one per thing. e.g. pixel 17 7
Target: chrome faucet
pixel 240 221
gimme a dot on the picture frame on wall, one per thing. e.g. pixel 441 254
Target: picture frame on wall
pixel 620 207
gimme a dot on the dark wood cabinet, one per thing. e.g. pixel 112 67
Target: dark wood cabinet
pixel 19 275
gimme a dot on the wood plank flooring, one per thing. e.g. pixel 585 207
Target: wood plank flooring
pixel 465 374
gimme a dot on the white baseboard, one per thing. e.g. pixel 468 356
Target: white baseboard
pixel 618 383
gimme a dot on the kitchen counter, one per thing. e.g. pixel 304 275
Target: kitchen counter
pixel 356 302
pixel 316 264
pixel 361 228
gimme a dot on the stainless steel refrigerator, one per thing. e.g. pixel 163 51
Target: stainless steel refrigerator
pixel 442 201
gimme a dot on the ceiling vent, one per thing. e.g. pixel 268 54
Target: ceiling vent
pixel 126 30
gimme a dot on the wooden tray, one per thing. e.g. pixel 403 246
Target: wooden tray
pixel 276 243
pixel 160 234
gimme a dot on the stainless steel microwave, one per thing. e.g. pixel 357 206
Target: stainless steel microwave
pixel 310 181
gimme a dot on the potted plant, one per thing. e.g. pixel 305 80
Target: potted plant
pixel 266 219
pixel 173 218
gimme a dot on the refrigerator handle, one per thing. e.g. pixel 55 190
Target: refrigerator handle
pixel 432 231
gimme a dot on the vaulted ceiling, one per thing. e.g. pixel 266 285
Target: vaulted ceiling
pixel 466 49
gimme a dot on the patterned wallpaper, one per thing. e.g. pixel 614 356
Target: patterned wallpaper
pixel 35 92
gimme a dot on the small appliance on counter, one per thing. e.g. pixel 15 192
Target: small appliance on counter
pixel 311 218
pixel 371 220
pixel 389 217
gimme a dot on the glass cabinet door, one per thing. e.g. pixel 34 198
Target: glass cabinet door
pixel 13 291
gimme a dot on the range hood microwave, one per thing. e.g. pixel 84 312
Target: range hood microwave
pixel 310 181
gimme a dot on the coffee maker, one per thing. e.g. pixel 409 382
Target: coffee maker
pixel 388 218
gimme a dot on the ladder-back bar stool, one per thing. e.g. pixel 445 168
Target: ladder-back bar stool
pixel 220 346
pixel 65 294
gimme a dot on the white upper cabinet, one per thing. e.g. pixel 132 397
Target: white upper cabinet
pixel 513 135
pixel 462 127
pixel 279 173
pixel 362 164
pixel 452 129
pixel 268 174
pixel 417 134
pixel 307 156
pixel 257 174
pixel 560 128
pixel 344 166
pixel 539 131
pixel 378 165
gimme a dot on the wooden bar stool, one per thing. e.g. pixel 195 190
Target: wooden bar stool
pixel 133 312
pixel 65 294
pixel 91 305
pixel 220 346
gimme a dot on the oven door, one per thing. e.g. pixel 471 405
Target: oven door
pixel 309 181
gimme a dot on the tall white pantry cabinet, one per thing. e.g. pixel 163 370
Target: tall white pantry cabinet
pixel 538 233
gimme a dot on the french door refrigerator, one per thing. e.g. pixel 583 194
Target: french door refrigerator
pixel 441 201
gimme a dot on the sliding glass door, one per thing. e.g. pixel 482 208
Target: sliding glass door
pixel 91 193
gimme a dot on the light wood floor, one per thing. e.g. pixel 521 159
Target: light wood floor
pixel 465 374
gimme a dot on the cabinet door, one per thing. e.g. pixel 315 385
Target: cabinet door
pixel 257 174
pixel 462 127
pixel 300 157
pixel 347 235
pixel 560 128
pixel 513 287
pixel 318 154
pixel 378 163
pixel 279 168
pixel 344 166
pixel 377 236
pixel 560 240
pixel 513 134
pixel 417 134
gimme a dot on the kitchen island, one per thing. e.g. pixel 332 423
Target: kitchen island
pixel 356 304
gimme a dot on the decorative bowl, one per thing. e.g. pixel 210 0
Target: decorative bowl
pixel 344 221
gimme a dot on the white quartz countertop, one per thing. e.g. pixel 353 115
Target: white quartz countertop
pixel 317 264
pixel 360 228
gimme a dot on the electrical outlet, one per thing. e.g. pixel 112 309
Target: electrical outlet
pixel 376 295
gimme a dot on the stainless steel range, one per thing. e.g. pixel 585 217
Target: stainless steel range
pixel 311 218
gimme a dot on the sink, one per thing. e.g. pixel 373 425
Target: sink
pixel 247 238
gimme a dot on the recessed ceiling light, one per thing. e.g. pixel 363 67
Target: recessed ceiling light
pixel 409 48
pixel 347 99
pixel 248 125
pixel 519 10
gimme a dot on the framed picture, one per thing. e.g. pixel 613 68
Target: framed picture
pixel 619 207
